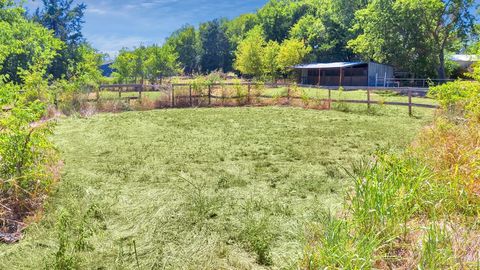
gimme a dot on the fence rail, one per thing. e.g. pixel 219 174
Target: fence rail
pixel 183 94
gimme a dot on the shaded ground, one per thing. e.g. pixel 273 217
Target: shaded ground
pixel 200 188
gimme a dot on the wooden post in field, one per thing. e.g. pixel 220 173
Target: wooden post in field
pixel 97 93
pixel 410 112
pixel 173 96
pixel 249 91
pixel 341 77
pixel 209 95
pixel 120 92
pixel 190 92
pixel 368 98
pixel 140 92
pixel 288 93
pixel 329 98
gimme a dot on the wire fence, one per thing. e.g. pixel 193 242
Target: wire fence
pixel 250 94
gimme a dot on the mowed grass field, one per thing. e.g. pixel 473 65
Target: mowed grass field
pixel 220 188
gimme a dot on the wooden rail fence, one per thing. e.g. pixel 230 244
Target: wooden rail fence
pixel 191 95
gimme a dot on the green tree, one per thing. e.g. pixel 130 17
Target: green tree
pixel 161 62
pixel 186 44
pixel 238 28
pixel 216 48
pixel 250 52
pixel 271 68
pixel 412 34
pixel 278 16
pixel 292 52
pixel 124 66
pixel 86 73
pixel 66 21
pixel 139 64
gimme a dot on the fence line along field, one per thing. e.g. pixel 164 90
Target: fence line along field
pixel 241 94
pixel 209 188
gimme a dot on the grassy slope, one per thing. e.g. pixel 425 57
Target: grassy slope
pixel 200 188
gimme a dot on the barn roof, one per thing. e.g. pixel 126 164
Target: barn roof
pixel 465 58
pixel 329 65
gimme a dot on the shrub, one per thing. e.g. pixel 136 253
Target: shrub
pixel 26 154
pixel 459 99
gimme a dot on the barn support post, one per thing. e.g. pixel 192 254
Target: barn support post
pixel 319 77
pixel 190 94
pixel 410 109
pixel 329 98
pixel 368 98
pixel 341 77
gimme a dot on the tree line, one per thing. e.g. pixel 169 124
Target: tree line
pixel 415 36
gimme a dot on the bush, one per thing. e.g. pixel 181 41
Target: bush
pixel 26 154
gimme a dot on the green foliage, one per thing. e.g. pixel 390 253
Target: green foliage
pixel 151 63
pixel 426 29
pixel 460 98
pixel 215 47
pixel 292 52
pixel 24 146
pixel 65 21
pixel 238 28
pixel 161 62
pixel 437 252
pixel 271 69
pixel 185 42
pixel 278 16
pixel 24 46
pixel 250 53
pixel 124 66
pixel 26 152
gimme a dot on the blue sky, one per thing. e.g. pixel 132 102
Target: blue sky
pixel 113 24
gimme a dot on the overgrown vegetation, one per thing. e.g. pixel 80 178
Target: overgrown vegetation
pixel 417 209
pixel 31 58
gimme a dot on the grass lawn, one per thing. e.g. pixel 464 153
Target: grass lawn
pixel 223 188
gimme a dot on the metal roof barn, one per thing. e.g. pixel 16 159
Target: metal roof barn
pixel 344 74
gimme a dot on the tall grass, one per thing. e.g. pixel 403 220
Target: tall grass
pixel 415 209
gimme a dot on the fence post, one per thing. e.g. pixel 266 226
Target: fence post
pixel 120 92
pixel 329 98
pixel 209 95
pixel 140 92
pixel 55 102
pixel 288 93
pixel 97 94
pixel 410 112
pixel 190 92
pixel 173 96
pixel 249 91
pixel 368 98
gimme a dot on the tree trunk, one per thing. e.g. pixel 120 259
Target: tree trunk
pixel 441 68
